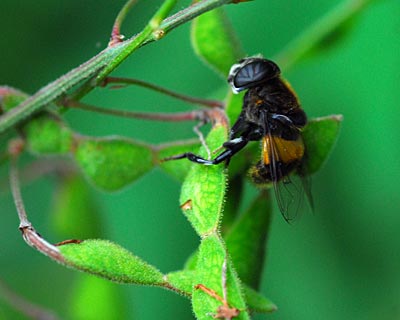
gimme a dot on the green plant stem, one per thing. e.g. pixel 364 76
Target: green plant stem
pixel 312 36
pixel 189 99
pixel 105 62
pixel 136 42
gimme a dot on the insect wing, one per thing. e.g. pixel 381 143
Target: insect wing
pixel 290 189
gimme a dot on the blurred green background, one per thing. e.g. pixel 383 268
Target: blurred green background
pixel 343 262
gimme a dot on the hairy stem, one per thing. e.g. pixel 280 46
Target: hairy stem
pixel 105 62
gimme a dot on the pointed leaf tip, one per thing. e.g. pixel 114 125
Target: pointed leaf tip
pixel 108 260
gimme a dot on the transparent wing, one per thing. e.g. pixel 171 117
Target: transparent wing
pixel 290 186
pixel 290 196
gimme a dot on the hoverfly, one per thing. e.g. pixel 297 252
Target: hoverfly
pixel 271 113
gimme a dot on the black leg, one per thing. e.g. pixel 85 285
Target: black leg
pixel 232 147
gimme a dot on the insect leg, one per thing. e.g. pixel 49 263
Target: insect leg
pixel 231 146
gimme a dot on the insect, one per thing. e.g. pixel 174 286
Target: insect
pixel 271 113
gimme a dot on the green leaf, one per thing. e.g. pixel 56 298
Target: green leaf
pixel 10 98
pixel 177 169
pixel 234 104
pixel 112 163
pixel 47 135
pixel 74 212
pixel 182 280
pixel 108 260
pixel 215 42
pixel 204 188
pixel 185 280
pixel 246 241
pixel 319 137
pixel 92 297
pixel 209 271
pixel 257 302
pixel 191 262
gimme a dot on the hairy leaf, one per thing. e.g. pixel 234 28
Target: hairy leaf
pixel 257 302
pixel 204 188
pixel 112 163
pixel 209 272
pixel 177 169
pixel 110 261
pixel 182 280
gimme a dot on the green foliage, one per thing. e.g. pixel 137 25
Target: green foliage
pixel 246 240
pixel 204 188
pixel 209 269
pixel 112 163
pixel 10 98
pixel 258 302
pixel 183 280
pixel 229 267
pixel 215 42
pixel 47 135
pixel 319 138
pixel 177 169
pixel 110 261
pixel 234 104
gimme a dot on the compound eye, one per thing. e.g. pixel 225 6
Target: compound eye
pixel 251 72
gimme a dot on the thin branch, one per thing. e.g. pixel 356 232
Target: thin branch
pixel 116 36
pixel 195 115
pixel 26 307
pixel 138 40
pixel 186 98
pixel 39 168
pixel 106 61
pixel 202 139
pixel 15 148
pixel 29 233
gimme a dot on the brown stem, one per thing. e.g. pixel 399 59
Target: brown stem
pixel 196 115
pixel 189 99
pixel 29 233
